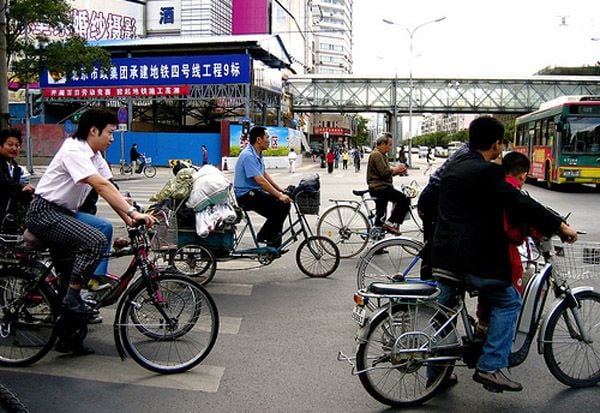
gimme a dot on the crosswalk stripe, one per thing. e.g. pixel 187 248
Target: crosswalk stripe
pixel 230 288
pixel 227 325
pixel 111 369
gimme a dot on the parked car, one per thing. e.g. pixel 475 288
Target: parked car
pixel 440 152
pixel 423 150
pixel 453 146
pixel 414 150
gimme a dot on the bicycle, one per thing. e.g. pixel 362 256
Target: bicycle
pixel 316 256
pixel 351 224
pixel 166 322
pixel 147 168
pixel 411 345
pixel 391 259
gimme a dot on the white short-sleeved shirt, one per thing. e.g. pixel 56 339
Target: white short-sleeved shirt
pixel 62 182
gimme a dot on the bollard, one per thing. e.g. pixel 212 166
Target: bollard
pixel 225 164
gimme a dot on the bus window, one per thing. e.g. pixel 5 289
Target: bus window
pixel 582 135
pixel 538 133
pixel 550 132
pixel 521 139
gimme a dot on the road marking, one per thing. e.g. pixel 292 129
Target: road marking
pixel 227 325
pixel 230 288
pixel 111 369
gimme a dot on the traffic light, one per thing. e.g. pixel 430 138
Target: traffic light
pixel 36 104
pixel 246 129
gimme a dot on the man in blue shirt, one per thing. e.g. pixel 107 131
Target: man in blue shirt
pixel 255 190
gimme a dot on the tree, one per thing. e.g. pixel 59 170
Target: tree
pixel 27 55
pixel 362 132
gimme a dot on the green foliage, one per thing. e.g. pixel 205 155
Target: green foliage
pixel 440 138
pixel 362 132
pixel 281 151
pixel 27 56
pixel 234 150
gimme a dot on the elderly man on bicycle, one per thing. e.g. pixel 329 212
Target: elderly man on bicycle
pixel 255 190
pixel 379 179
pixel 76 168
pixel 470 246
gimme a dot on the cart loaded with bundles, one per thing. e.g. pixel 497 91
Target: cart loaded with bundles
pixel 197 213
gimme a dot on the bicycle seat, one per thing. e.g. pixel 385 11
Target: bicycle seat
pixel 407 289
pixel 33 242
pixel 359 193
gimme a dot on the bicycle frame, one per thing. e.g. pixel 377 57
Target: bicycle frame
pixel 292 229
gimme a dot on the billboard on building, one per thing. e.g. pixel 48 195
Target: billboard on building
pixel 250 17
pixel 144 76
pixel 163 16
pixel 100 20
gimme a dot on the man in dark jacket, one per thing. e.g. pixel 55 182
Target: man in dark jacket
pixel 470 242
pixel 14 194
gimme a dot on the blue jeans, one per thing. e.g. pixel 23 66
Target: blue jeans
pixel 504 306
pixel 104 226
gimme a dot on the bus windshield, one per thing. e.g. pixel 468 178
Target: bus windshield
pixel 582 136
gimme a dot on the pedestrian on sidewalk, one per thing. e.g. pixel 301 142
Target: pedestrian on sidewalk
pixel 292 161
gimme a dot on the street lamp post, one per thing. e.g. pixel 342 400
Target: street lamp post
pixel 411 34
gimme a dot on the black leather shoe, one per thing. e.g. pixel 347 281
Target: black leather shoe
pixel 496 382
pixel 80 308
pixel 77 349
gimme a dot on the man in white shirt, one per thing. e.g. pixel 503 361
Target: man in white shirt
pixel 76 168
pixel 292 160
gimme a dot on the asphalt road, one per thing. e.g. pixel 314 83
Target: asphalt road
pixel 281 332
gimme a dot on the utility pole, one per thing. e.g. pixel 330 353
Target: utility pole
pixel 4 113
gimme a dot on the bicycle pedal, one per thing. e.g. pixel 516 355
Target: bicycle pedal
pixel 492 389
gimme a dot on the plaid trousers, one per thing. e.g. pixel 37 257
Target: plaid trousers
pixel 68 238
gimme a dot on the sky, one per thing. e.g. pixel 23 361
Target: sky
pixel 478 38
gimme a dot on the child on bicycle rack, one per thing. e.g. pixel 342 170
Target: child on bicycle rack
pixel 470 247
pixel 516 166
pixel 76 168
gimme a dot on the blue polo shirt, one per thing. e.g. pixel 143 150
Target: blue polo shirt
pixel 249 165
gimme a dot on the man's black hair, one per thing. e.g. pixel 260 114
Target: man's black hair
pixel 256 132
pixel 515 163
pixel 95 117
pixel 484 132
pixel 10 133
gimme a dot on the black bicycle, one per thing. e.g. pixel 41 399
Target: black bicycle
pixel 166 322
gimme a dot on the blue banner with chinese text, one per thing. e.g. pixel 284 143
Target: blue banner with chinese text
pixel 160 70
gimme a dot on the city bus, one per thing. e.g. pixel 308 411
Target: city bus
pixel 562 140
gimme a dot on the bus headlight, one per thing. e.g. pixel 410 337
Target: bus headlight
pixel 571 173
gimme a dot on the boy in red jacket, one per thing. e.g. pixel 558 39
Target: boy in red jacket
pixel 516 166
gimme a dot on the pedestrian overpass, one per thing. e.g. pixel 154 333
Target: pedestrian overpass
pixel 351 94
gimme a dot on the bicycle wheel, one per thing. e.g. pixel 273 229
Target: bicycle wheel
pixel 149 171
pixel 27 319
pixel 174 343
pixel 126 170
pixel 569 358
pixel 347 227
pixel 392 362
pixel 195 261
pixel 388 260
pixel 10 403
pixel 317 256
pixel 413 224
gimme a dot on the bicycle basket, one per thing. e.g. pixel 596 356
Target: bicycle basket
pixel 578 261
pixel 308 202
pixel 165 236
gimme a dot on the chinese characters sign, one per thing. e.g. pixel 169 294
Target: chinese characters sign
pixel 105 20
pixel 159 71
pixel 104 92
pixel 163 16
